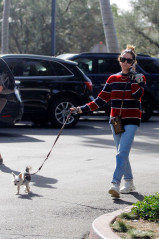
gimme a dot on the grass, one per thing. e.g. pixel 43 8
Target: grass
pixel 128 226
pixel 142 222
pixel 120 226
pixel 136 234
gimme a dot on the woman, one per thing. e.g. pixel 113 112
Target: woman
pixel 129 88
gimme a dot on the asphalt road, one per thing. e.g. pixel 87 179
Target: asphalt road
pixel 70 191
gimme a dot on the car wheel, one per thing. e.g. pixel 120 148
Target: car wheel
pixel 60 110
pixel 147 108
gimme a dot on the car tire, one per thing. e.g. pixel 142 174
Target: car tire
pixel 59 111
pixel 147 108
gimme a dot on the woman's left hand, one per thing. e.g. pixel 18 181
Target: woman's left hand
pixel 139 78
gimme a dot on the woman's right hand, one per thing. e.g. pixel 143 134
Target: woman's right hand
pixel 76 110
pixel 1 88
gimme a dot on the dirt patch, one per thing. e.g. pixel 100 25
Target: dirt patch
pixel 141 225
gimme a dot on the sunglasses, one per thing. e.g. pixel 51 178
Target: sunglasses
pixel 129 60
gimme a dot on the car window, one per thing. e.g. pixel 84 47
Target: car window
pixel 33 67
pixel 75 70
pixel 60 70
pixel 15 65
pixel 106 66
pixel 98 66
pixel 30 67
pixel 86 65
pixel 149 65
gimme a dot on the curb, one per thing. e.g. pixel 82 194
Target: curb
pixel 101 226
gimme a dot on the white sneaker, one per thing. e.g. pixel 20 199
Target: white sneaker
pixel 128 187
pixel 114 190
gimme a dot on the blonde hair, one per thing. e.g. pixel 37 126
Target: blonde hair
pixel 130 49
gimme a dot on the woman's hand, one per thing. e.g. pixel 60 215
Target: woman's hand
pixel 138 78
pixel 76 110
pixel 1 88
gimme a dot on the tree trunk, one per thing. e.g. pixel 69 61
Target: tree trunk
pixel 5 26
pixel 109 27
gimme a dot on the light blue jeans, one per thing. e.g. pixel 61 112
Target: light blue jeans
pixel 123 144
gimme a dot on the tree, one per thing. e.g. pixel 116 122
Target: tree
pixel 109 27
pixel 140 26
pixel 5 27
pixel 78 26
pixel 30 27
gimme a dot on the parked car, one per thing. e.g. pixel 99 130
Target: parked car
pixel 49 87
pixel 99 66
pixel 11 108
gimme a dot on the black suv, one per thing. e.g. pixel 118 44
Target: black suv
pixel 49 87
pixel 99 66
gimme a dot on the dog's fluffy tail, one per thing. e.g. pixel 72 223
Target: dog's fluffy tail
pixel 28 168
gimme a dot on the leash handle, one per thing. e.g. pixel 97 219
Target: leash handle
pixel 68 116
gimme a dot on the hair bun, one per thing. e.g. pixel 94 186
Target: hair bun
pixel 130 48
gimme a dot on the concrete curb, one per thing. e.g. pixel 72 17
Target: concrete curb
pixel 101 226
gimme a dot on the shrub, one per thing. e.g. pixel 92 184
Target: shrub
pixel 128 216
pixel 148 209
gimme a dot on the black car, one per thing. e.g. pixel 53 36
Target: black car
pixel 49 87
pixel 99 66
pixel 11 108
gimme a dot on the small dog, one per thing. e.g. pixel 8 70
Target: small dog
pixel 22 179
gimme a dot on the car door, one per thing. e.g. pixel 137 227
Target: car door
pixel 98 69
pixel 38 80
pixel 32 75
pixel 149 67
pixel 103 68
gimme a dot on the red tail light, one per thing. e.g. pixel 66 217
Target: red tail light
pixel 89 85
pixel 6 116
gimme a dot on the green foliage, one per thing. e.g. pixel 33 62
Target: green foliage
pixel 120 226
pixel 30 26
pixel 79 26
pixel 1 5
pixel 128 216
pixel 140 26
pixel 147 209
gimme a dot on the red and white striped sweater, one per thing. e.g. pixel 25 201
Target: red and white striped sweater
pixel 114 91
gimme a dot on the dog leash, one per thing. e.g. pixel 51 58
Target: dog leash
pixel 68 116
